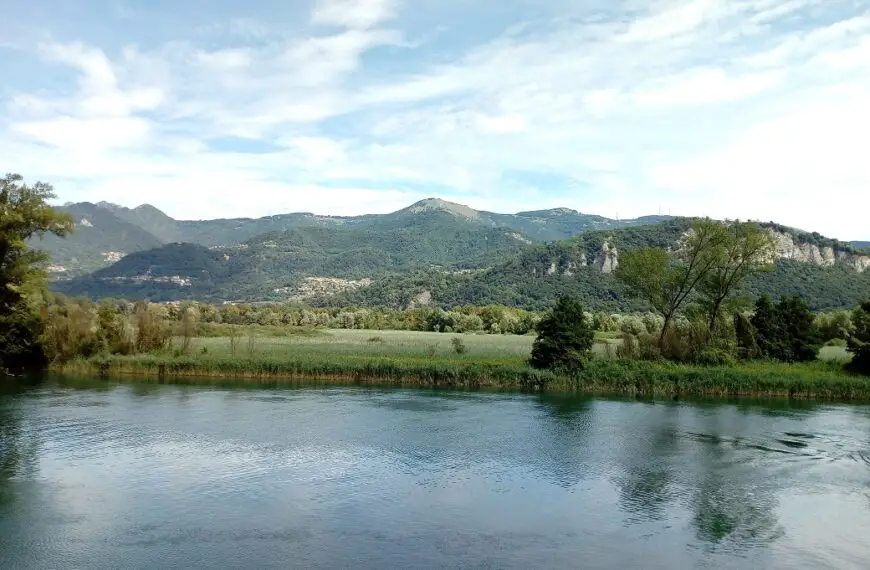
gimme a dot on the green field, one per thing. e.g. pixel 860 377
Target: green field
pixel 406 358
pixel 375 344
pixel 383 344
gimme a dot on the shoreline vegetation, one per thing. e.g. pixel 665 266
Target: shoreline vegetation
pixel 408 359
pixel 699 336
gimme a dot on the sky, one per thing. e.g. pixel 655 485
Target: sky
pixel 740 109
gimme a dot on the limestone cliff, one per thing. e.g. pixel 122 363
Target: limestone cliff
pixel 786 246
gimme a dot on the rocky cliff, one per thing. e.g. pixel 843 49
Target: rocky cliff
pixel 786 246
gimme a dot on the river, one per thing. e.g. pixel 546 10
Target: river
pixel 108 475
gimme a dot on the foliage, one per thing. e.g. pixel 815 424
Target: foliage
pixel 632 377
pixel 742 249
pixel 859 339
pixel 745 333
pixel 272 267
pixel 714 357
pixel 786 331
pixel 459 347
pixel 24 214
pixel 564 339
pixel 836 325
pixel 708 257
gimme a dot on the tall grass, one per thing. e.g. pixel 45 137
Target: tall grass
pixel 406 359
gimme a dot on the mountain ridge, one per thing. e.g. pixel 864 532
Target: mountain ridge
pixel 451 265
pixel 81 253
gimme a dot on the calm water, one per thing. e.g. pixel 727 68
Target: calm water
pixel 97 475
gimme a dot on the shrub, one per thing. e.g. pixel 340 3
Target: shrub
pixel 747 346
pixel 564 339
pixel 786 331
pixel 629 347
pixel 836 325
pixel 859 339
pixel 458 345
pixel 837 342
pixel 714 357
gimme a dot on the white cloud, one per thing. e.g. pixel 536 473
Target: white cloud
pixel 750 108
pixel 353 13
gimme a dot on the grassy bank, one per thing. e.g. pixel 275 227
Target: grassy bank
pixel 428 359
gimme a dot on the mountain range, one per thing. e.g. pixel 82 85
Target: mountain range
pixel 433 252
pixel 105 231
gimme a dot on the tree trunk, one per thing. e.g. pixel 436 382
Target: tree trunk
pixel 665 328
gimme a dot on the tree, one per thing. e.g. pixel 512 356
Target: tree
pixel 786 331
pixel 742 249
pixel 859 339
pixel 765 327
pixel 564 339
pixel 24 213
pixel 667 281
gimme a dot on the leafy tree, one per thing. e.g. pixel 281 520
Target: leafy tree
pixel 667 281
pixel 742 249
pixel 765 328
pixel 859 339
pixel 564 339
pixel 24 213
pixel 802 337
pixel 747 345
pixel 786 331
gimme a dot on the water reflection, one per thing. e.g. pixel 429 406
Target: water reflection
pixel 164 476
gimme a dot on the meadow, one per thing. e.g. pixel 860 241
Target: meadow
pixel 408 358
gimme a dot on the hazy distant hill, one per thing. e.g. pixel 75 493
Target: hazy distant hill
pixel 106 227
pixel 99 234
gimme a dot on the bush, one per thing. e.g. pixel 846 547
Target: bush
pixel 714 357
pixel 859 339
pixel 837 342
pixel 564 339
pixel 786 331
pixel 629 347
pixel 458 345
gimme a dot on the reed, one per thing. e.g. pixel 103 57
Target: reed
pixel 819 380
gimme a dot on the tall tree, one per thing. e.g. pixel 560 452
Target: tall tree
pixel 24 213
pixel 667 281
pixel 743 249
pixel 564 337
pixel 786 331
pixel 859 339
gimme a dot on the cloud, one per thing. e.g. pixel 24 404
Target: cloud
pixel 360 14
pixel 750 108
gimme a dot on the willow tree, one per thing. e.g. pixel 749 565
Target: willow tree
pixel 24 213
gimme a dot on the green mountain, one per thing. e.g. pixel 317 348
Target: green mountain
pixel 101 238
pixel 443 257
pixel 106 227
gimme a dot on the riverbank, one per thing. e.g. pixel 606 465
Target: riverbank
pixel 818 380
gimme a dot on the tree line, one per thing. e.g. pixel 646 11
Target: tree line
pixel 699 312
pixel 702 318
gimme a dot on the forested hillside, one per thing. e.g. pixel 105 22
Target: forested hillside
pixel 107 231
pixel 432 257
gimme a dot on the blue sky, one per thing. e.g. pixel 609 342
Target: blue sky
pixel 741 109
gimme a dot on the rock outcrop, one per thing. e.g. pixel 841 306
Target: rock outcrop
pixel 607 259
pixel 786 247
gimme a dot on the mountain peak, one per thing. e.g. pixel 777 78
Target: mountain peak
pixel 437 204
